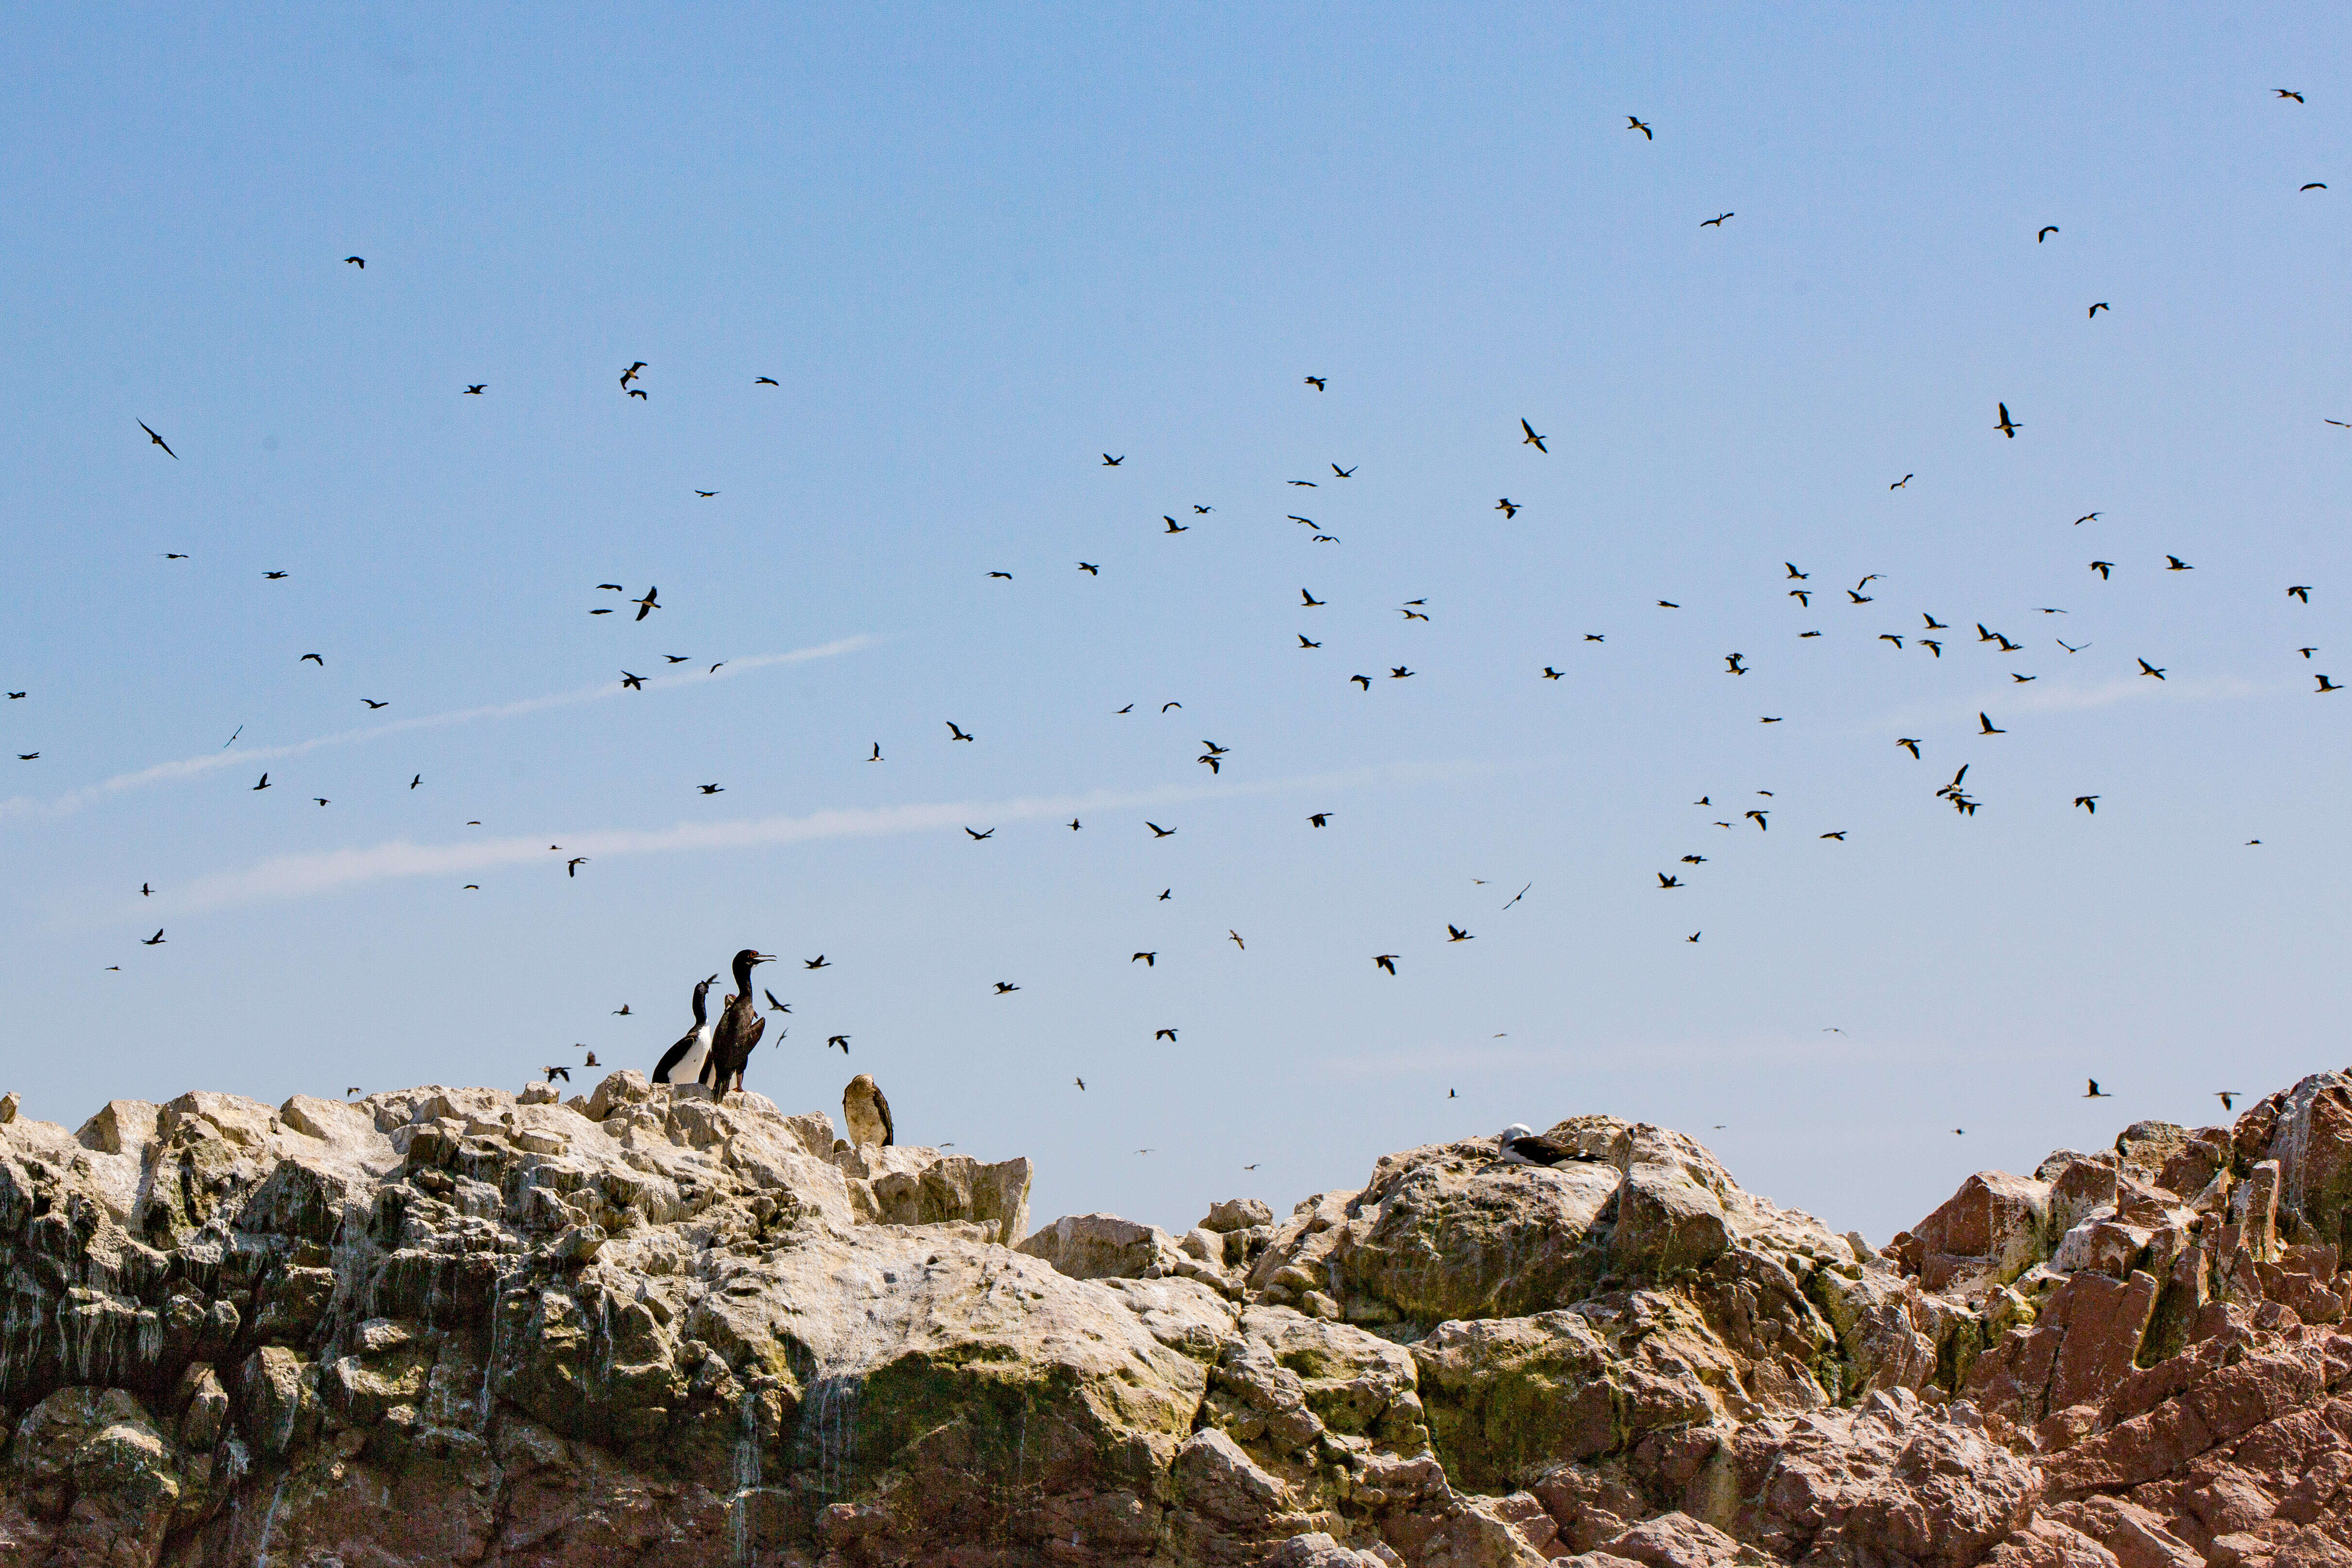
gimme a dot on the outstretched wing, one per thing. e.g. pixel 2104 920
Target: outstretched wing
pixel 882 1109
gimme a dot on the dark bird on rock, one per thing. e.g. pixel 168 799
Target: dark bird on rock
pixel 1519 1145
pixel 1386 961
pixel 159 441
pixel 740 1028
pixel 1532 439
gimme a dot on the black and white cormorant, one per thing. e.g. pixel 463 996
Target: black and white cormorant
pixel 740 1028
pixel 682 1063
pixel 1522 1146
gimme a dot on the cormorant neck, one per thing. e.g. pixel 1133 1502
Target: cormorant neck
pixel 699 992
pixel 743 977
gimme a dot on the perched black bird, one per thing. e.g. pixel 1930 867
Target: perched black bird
pixel 740 1028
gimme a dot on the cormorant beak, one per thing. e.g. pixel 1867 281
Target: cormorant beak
pixel 763 958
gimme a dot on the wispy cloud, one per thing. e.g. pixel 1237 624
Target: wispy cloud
pixel 212 762
pixel 283 877
pixel 2063 696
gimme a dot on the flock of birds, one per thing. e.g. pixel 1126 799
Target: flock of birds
pixel 715 1053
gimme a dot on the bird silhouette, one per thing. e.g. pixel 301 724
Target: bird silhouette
pixel 2300 591
pixel 1900 483
pixel 1148 960
pixel 2103 568
pixel 1666 881
pixel 2095 309
pixel 1532 439
pixel 571 866
pixel 155 941
pixel 954 733
pixel 2089 803
pixel 1455 934
pixel 1111 462
pixel 1633 124
pixel 2007 426
pixel 976 837
pixel 159 441
pixel 1386 961
pixel 2175 563
pixel 2094 1091
pixel 1717 221
pixel 1988 727
pixel 2047 230
pixel 359 262
pixel 1159 832
pixel 2148 669
pixel 2282 92
pixel 1303 641
pixel 819 961
pixel 1509 507
pixel 1005 988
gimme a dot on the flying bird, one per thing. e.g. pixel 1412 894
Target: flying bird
pixel 1148 960
pixel 1006 575
pixel 1988 728
pixel 2095 1092
pixel 976 837
pixel 1316 382
pixel 1399 672
pixel 2316 185
pixel 571 866
pixel 2325 685
pixel 1319 819
pixel 1168 1035
pixel 2095 308
pixel 1551 674
pixel 1900 483
pixel 1532 439
pixel 1005 988
pixel 2178 565
pixel 2300 591
pixel 647 605
pixel 1159 832
pixel 878 752
pixel 155 941
pixel 1111 462
pixel 710 789
pixel 1455 934
pixel 1090 569
pixel 819 961
pixel 1386 961
pixel 954 733
pixel 2148 669
pixel 1235 938
pixel 359 262
pixel 630 374
pixel 706 495
pixel 1175 526
pixel 632 683
pixel 2047 230
pixel 1303 641
pixel 2089 803
pixel 313 658
pixel 765 381
pixel 477 389
pixel 2005 424
pixel 2103 568
pixel 263 784
pixel 371 702
pixel 1509 507
pixel 1717 221
pixel 1666 881
pixel 2282 92
pixel 1311 598
pixel 1633 124
pixel 159 441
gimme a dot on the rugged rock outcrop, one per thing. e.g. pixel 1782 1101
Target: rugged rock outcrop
pixel 639 1327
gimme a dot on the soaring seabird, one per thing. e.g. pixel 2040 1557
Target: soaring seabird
pixel 866 1111
pixel 740 1028
pixel 1521 1146
pixel 682 1063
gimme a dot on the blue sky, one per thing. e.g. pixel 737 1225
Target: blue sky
pixel 976 249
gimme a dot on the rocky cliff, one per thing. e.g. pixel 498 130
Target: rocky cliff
pixel 638 1327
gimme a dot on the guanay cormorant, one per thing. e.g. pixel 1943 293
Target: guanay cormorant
pixel 682 1063
pixel 740 1028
